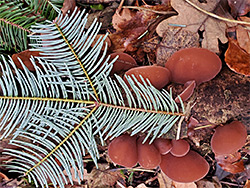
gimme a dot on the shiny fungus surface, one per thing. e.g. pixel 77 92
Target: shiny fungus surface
pixel 123 151
pixel 189 168
pixel 148 156
pixel 123 63
pixel 163 145
pixel 179 147
pixel 157 75
pixel 229 138
pixel 197 64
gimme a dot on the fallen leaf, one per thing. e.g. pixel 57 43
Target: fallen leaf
pixel 25 57
pixel 174 39
pixel 166 182
pixel 239 7
pixel 142 185
pixel 102 177
pixel 207 184
pixel 120 18
pixel 194 20
pixel 129 32
pixel 237 59
pixel 103 16
pixel 231 163
pixel 247 184
pixel 243 35
pixel 68 6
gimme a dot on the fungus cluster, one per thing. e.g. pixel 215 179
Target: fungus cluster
pixel 226 142
pixel 229 138
pixel 190 66
pixel 173 156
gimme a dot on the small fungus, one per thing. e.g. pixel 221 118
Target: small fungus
pixel 157 75
pixel 123 151
pixel 123 63
pixel 189 168
pixel 229 138
pixel 148 156
pixel 187 92
pixel 197 64
pixel 163 145
pixel 179 148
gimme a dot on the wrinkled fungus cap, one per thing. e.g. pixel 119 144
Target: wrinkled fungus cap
pixel 197 64
pixel 189 168
pixel 163 145
pixel 157 75
pixel 179 148
pixel 229 138
pixel 148 156
pixel 123 151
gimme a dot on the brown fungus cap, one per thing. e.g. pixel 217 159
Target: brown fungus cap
pixel 190 168
pixel 123 63
pixel 180 148
pixel 187 92
pixel 123 151
pixel 163 145
pixel 148 156
pixel 157 75
pixel 197 64
pixel 229 138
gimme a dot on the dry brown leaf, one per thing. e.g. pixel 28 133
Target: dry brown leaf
pixel 239 7
pixel 208 184
pixel 194 20
pixel 173 40
pixel 231 163
pixel 166 182
pixel 25 57
pixel 247 184
pixel 129 32
pixel 243 35
pixel 120 18
pixel 237 59
pixel 68 5
pixel 142 185
pixel 102 177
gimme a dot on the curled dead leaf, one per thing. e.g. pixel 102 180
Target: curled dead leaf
pixel 166 182
pixel 68 6
pixel 243 35
pixel 25 57
pixel 239 7
pixel 231 163
pixel 237 59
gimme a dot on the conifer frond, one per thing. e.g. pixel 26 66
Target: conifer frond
pixel 16 18
pixel 46 8
pixel 70 102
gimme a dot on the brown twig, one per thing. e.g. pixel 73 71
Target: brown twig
pixel 216 16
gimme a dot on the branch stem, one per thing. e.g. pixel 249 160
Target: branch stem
pixel 141 110
pixel 15 25
pixel 64 140
pixel 47 99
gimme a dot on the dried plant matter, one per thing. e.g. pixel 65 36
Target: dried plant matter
pixel 70 101
pixel 193 20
